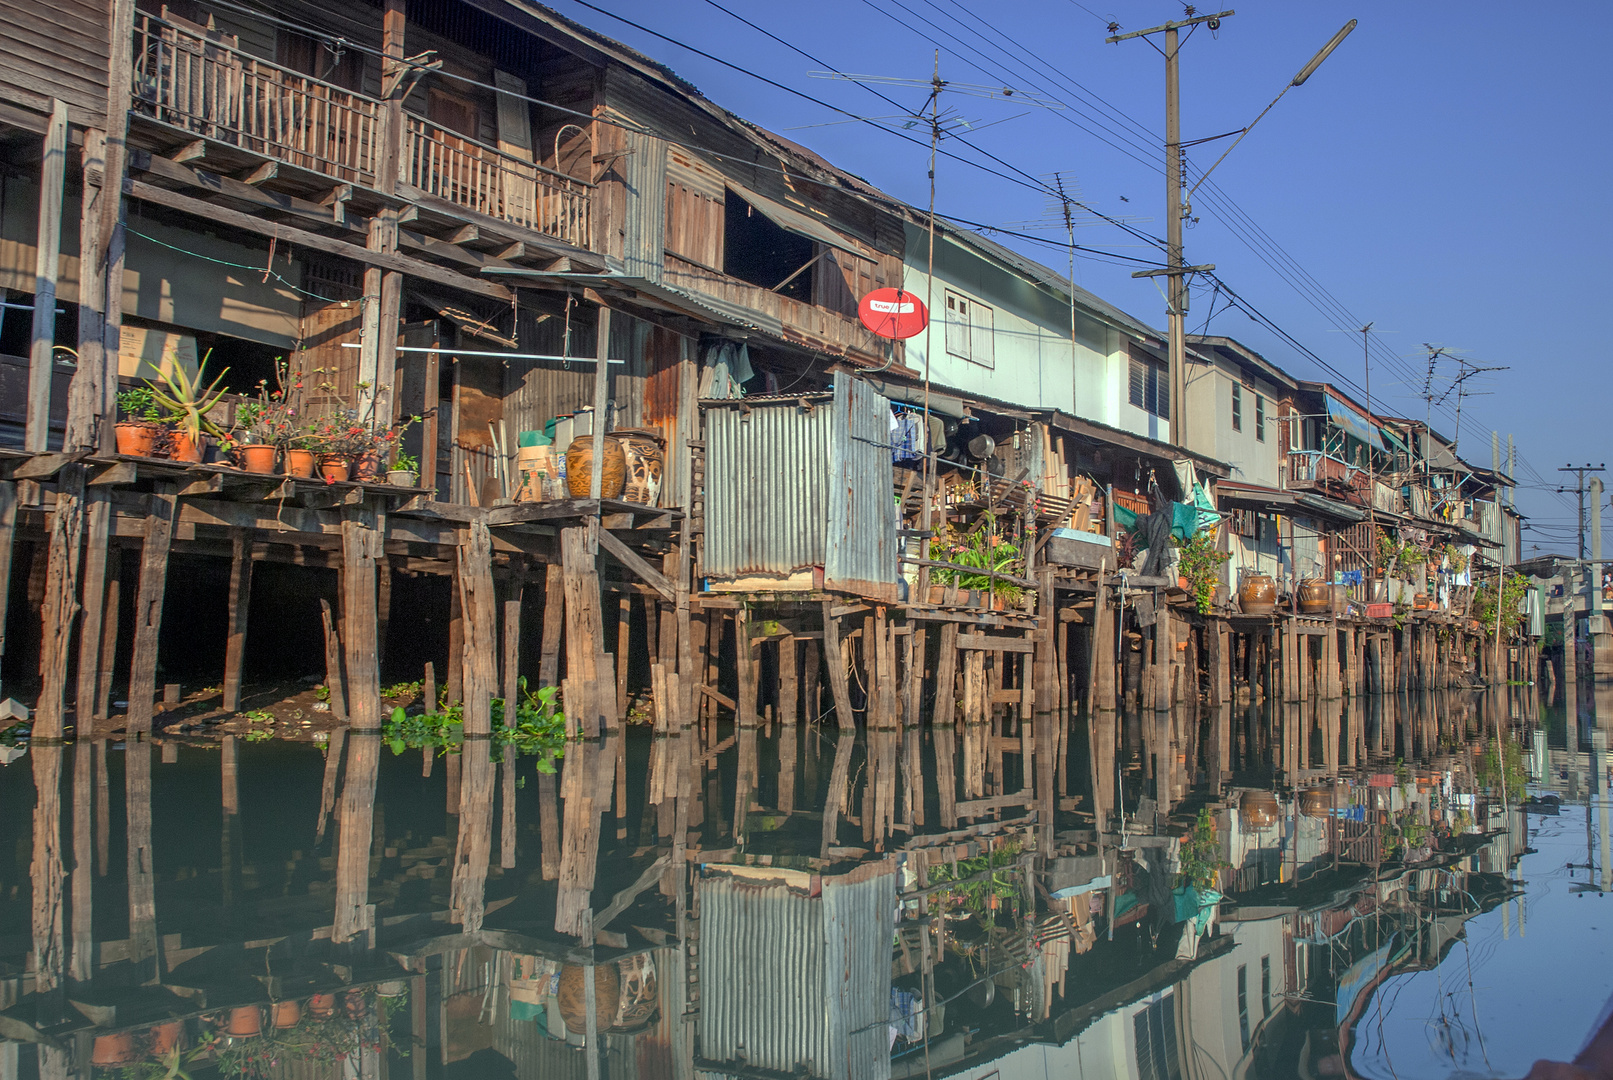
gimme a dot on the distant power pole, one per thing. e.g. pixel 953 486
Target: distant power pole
pixel 1579 488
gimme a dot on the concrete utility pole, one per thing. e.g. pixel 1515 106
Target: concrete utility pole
pixel 1579 471
pixel 1175 210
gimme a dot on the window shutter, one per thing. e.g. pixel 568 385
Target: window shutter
pixel 957 323
pixel 1163 398
pixel 1237 407
pixel 1260 418
pixel 1139 388
pixel 982 337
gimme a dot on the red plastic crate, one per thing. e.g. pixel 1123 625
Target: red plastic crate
pixel 1380 611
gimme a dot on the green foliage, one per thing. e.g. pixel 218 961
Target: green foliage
pixel 1484 604
pixel 402 689
pixel 139 403
pixel 1503 764
pixel 1404 834
pixel 981 553
pixel 1201 854
pixel 322 692
pixel 186 400
pixel 538 727
pixel 406 462
pixel 974 896
pixel 1200 564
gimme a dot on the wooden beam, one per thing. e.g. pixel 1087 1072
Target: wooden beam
pixel 194 150
pixel 159 532
pixel 995 644
pixel 260 175
pixel 631 559
pixel 240 599
pixel 289 234
pixel 47 265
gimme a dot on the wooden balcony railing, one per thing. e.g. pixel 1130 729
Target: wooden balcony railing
pixel 205 85
pixel 1310 467
pixel 488 181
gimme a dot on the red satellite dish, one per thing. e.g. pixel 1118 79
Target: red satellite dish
pixel 893 313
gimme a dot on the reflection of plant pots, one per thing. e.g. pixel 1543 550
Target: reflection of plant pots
pixel 392 989
pixel 300 462
pixel 164 1037
pixel 246 1020
pixel 402 477
pixel 115 1049
pixel 136 438
pixel 258 458
pixel 286 1014
pixel 181 447
pixel 353 1001
pixel 333 467
pixel 321 1005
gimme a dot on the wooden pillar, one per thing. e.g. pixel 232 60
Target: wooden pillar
pixel 554 620
pixel 161 507
pixel 1101 680
pixel 1327 685
pixel 111 620
pixel 456 636
pixel 584 630
pixel 512 648
pixel 624 638
pixel 60 612
pixel 789 681
pixel 240 605
pixel 1164 656
pixel 93 587
pixel 47 263
pixel 335 684
pixel 479 602
pixel 946 686
pixel 383 605
pixel 747 671
pixel 834 662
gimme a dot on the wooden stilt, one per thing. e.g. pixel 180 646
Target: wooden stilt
pixel 584 630
pixel 748 671
pixel 60 612
pixel 240 605
pixel 624 637
pixel 383 609
pixel 512 652
pixel 97 528
pixel 839 685
pixel 1101 656
pixel 944 714
pixel 811 665
pixel 456 637
pixel 479 603
pixel 789 680
pixel 335 685
pixel 554 620
pixel 160 511
pixel 428 691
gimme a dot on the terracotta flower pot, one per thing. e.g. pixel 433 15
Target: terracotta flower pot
pixel 136 438
pixel 258 457
pixel 286 1014
pixel 321 1006
pixel 164 1037
pixel 115 1049
pixel 246 1020
pixel 181 447
pixel 370 467
pixel 333 468
pixel 301 462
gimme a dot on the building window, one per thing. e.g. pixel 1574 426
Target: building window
pixel 1237 407
pixel 1265 986
pixel 1151 388
pixel 1154 1039
pixel 758 251
pixel 1260 418
pixel 970 330
pixel 1243 1006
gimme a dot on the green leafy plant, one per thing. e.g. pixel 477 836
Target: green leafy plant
pixel 975 897
pixel 1503 765
pixel 405 462
pixel 1511 600
pixel 187 400
pixel 538 727
pixel 140 404
pixel 1201 854
pixel 980 553
pixel 1200 563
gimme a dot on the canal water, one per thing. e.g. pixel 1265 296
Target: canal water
pixel 1411 887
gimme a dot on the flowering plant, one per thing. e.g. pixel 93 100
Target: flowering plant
pixel 272 418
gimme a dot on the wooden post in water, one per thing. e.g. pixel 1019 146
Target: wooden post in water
pixel 335 685
pixel 473 848
pixel 161 510
pixel 361 544
pixel 46 873
pixel 554 621
pixel 60 612
pixel 624 639
pixel 93 586
pixel 81 963
pixel 456 635
pixel 479 603
pixel 142 884
pixel 747 669
pixel 789 681
pixel 834 661
pixel 584 628
pixel 240 601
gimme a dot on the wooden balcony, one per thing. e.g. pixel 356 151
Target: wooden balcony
pixel 1314 469
pixel 204 85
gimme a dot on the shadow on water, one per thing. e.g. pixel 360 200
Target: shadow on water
pixel 1377 887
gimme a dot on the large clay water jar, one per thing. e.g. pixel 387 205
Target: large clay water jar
pixel 1258 595
pixel 1315 596
pixel 1259 809
pixel 580 468
pixel 643 457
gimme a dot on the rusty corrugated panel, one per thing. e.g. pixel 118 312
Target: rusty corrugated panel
pixel 767 487
pixel 798 984
pixel 861 552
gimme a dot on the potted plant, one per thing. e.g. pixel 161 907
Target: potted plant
pixel 302 452
pixel 188 402
pixel 253 449
pixel 138 430
pixel 405 471
pixel 1199 565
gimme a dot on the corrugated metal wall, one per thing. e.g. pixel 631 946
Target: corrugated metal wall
pixel 861 555
pixel 791 982
pixel 644 228
pixel 767 487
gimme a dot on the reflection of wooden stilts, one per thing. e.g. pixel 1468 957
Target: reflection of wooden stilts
pixel 835 801
pixel 506 857
pixel 474 844
pixel 355 832
pixel 46 874
pixel 787 755
pixel 548 827
pixel 142 884
pixel 333 765
pixel 586 777
pixel 81 964
pixel 946 776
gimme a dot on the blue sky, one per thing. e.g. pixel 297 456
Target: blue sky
pixel 1439 175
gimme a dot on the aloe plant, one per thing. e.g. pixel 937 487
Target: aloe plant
pixel 187 400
